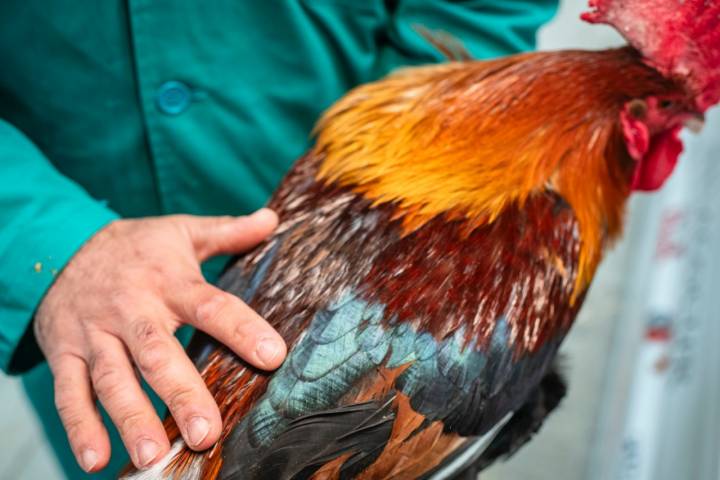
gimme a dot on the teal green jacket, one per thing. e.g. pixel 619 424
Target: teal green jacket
pixel 130 108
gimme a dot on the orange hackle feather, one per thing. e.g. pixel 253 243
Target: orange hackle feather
pixel 466 140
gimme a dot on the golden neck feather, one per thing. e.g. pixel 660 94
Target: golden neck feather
pixel 467 139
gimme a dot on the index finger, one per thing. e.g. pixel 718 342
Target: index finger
pixel 231 321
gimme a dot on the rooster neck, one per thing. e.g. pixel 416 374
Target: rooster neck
pixel 468 140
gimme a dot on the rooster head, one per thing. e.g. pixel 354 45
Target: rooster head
pixel 681 40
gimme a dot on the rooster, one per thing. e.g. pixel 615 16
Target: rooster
pixel 435 246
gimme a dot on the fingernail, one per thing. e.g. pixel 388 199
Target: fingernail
pixel 197 430
pixel 147 450
pixel 268 351
pixel 89 459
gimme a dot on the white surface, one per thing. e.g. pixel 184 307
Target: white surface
pixel 685 393
pixel 24 455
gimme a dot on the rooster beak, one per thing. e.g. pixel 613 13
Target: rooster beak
pixel 695 123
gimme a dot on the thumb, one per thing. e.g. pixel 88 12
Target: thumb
pixel 227 235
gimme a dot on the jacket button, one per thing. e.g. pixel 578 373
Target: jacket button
pixel 173 97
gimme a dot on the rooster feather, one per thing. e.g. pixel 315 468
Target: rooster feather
pixel 434 249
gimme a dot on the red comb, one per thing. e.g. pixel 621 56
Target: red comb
pixel 679 38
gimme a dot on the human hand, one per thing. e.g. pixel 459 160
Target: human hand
pixel 116 305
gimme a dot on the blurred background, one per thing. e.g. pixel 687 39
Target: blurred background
pixel 643 360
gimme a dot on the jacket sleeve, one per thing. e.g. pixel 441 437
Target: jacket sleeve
pixel 485 28
pixel 44 219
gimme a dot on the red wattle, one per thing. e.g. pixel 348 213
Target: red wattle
pixel 657 165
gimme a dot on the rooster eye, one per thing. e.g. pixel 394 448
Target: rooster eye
pixel 665 104
pixel 638 108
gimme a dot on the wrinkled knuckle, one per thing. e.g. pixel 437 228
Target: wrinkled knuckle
pixel 104 374
pixel 107 385
pixel 131 423
pixel 145 331
pixel 181 399
pixel 74 427
pixel 212 309
pixel 64 405
pixel 100 364
pixel 67 407
pixel 152 346
pixel 152 357
pixel 242 331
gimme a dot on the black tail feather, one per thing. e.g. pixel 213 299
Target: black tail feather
pixel 311 441
pixel 518 431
